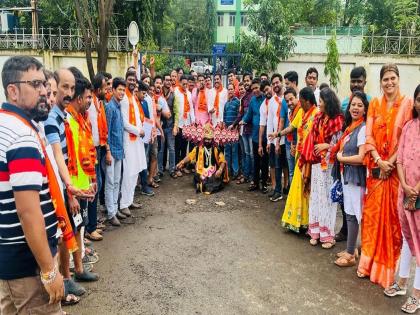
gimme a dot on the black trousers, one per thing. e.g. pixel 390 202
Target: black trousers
pixel 180 147
pixel 260 165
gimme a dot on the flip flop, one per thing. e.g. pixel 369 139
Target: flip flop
pixel 70 299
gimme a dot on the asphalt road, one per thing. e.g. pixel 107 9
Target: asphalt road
pixel 177 258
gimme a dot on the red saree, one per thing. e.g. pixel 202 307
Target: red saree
pixel 381 231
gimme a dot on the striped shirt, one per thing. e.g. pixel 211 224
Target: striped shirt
pixel 22 168
pixel 55 130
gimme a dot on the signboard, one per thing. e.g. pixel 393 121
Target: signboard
pixel 226 2
pixel 133 33
pixel 219 49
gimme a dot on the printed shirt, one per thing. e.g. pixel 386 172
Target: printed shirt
pixel 231 111
pixel 22 168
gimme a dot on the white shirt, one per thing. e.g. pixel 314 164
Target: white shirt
pixel 223 97
pixel 269 116
pixel 179 101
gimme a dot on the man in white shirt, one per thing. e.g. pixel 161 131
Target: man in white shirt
pixel 216 108
pixel 184 115
pixel 311 81
pixel 135 158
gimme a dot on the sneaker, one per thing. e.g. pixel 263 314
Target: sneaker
pixel 147 192
pixel 86 276
pixel 157 179
pixel 90 259
pixel 271 193
pixel 126 212
pixel 264 189
pixel 114 221
pixel 276 197
pixel 71 287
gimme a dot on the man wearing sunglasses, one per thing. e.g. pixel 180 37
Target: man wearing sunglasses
pixel 28 246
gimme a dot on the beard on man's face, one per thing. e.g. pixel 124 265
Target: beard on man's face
pixel 40 111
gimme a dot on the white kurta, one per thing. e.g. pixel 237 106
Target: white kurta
pixel 223 97
pixel 179 103
pixel 135 156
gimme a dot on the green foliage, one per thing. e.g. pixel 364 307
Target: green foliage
pixel 406 14
pixel 270 40
pixel 332 64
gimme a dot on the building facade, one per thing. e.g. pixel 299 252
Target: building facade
pixel 231 20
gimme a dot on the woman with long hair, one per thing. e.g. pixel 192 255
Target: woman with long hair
pixel 351 152
pixel 408 169
pixel 316 154
pixel 381 230
pixel 295 215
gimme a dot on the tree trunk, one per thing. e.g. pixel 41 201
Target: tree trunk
pixel 87 39
pixel 105 9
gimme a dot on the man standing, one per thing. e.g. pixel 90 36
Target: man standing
pixel 291 80
pixel 252 117
pixel 168 128
pixel 97 118
pixel 231 75
pixel 116 148
pixel 274 148
pixel 216 108
pixel 134 153
pixel 246 132
pixel 28 227
pixel 357 83
pixel 184 115
pixel 200 102
pixel 229 116
pixel 311 80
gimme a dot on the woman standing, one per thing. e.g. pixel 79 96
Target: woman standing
pixel 326 131
pixel 295 215
pixel 408 169
pixel 381 231
pixel 351 152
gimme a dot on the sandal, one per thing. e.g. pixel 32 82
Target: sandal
pixel 179 174
pixel 328 245
pixel 361 275
pixel 313 242
pixel 411 305
pixel 70 299
pixel 395 290
pixel 241 180
pixel 344 252
pixel 173 175
pixel 346 260
pixel 154 185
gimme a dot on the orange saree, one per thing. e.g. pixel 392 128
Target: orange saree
pixel 381 231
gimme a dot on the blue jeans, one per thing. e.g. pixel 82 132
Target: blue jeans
pixel 290 162
pixel 93 205
pixel 248 157
pixel 231 155
pixel 170 141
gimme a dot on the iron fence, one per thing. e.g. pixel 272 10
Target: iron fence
pixel 58 39
pixel 386 43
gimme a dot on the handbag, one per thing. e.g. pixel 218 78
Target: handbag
pixel 416 205
pixel 336 192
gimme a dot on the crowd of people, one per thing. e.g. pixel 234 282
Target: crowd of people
pixel 73 153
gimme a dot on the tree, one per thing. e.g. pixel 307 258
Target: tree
pixel 406 14
pixel 270 40
pixel 332 65
pixel 353 12
pixel 92 26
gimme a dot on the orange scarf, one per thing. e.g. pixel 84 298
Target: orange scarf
pixel 217 99
pixel 55 193
pixel 292 116
pixel 277 99
pixel 108 96
pixel 87 151
pixel 186 102
pixel 202 101
pixel 132 113
pixel 102 124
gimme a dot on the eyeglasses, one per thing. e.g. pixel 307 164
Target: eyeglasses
pixel 36 84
